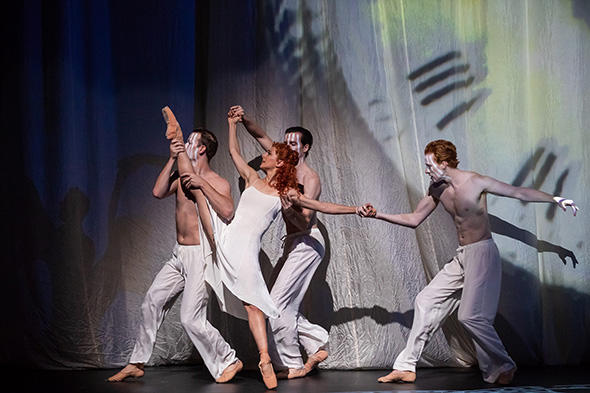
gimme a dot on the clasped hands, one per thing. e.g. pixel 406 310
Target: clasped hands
pixel 235 114
pixel 366 210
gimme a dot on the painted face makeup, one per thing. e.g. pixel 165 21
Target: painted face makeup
pixel 434 170
pixel 192 147
pixel 293 139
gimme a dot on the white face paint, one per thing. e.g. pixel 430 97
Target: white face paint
pixel 434 170
pixel 293 139
pixel 192 147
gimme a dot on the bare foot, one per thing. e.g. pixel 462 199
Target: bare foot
pixel 268 374
pixel 230 371
pixel 506 377
pixel 291 373
pixel 398 376
pixel 130 370
pixel 315 359
pixel 173 130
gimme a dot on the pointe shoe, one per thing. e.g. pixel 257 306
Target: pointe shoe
pixel 506 377
pixel 398 376
pixel 291 373
pixel 173 130
pixel 230 372
pixel 315 359
pixel 268 375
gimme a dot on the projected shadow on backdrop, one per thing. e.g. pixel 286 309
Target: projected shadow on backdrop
pixel 432 92
pixel 75 293
pixel 541 176
pixel 57 265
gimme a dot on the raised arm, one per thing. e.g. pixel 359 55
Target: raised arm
pixel 254 129
pixel 525 194
pixel 245 171
pixel 165 183
pixel 411 220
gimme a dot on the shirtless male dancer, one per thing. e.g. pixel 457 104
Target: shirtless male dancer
pixel 476 270
pixel 184 270
pixel 303 252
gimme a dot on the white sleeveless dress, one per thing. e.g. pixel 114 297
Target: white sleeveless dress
pixel 233 269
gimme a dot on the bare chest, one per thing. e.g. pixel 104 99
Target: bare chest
pixel 463 202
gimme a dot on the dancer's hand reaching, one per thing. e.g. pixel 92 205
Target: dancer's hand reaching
pixel 564 203
pixel 367 210
pixel 176 147
pixel 191 181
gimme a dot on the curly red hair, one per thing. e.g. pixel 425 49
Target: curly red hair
pixel 286 176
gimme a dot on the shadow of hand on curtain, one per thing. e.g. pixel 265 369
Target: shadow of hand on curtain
pixel 505 228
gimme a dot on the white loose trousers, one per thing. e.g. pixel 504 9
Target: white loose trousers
pixel 303 253
pixel 476 270
pixel 184 271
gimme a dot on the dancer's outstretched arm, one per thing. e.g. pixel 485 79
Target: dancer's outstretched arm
pixel 411 220
pixel 496 187
pixel 300 200
pixel 254 129
pixel 165 183
pixel 245 170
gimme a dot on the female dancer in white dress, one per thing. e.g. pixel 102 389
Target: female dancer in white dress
pixel 238 281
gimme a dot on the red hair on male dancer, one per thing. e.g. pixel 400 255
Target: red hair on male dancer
pixel 476 270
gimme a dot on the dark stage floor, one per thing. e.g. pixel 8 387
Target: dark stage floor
pixel 195 379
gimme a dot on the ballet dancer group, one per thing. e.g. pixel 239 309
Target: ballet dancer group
pixel 217 247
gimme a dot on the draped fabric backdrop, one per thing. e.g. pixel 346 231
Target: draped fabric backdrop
pixel 374 81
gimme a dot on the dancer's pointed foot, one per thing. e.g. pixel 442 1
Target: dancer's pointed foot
pixel 291 373
pixel 506 377
pixel 173 130
pixel 315 359
pixel 129 371
pixel 398 376
pixel 268 374
pixel 230 371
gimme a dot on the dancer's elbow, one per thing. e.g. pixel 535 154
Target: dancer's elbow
pixel 227 214
pixel 158 194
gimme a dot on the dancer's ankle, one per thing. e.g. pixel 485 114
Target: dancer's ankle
pixel 264 357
